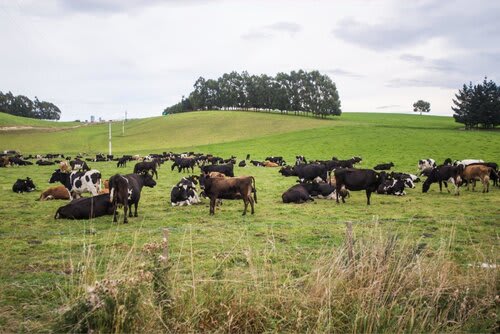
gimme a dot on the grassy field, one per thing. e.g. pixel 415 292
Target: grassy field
pixel 225 268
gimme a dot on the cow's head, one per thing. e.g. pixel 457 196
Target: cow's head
pixel 29 185
pixel 58 176
pixel 148 180
pixel 409 183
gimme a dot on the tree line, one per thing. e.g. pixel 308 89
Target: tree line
pixel 299 92
pixel 21 105
pixel 478 105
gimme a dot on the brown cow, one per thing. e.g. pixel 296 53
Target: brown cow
pixel 64 167
pixel 270 164
pixel 477 172
pixel 57 192
pixel 231 188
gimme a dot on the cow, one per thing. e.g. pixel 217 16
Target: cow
pixel 448 162
pixel 256 163
pixel 146 166
pixel 45 163
pixel 392 187
pixel 247 157
pixel 78 182
pixel 300 160
pixel 278 160
pixel 386 166
pixel 270 164
pixel 426 163
pixel 227 170
pixel 125 190
pixel 476 172
pixel 357 179
pixel 78 165
pixel 298 193
pixel 184 192
pixel 86 208
pixel 15 161
pixel 231 188
pixel 306 172
pixel 57 192
pixel 412 177
pixel 242 163
pixel 25 185
pixel 326 191
pixel 184 164
pixel 467 162
pixel 122 162
pixel 443 173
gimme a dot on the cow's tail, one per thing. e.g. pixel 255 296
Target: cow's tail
pixel 254 190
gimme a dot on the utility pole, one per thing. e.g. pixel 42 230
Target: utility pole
pixel 110 137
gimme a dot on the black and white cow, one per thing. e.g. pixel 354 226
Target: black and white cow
pixel 443 174
pixel 184 192
pixel 306 172
pixel 78 182
pixel 78 164
pixel 86 208
pixel 426 163
pixel 467 162
pixel 386 166
pixel 125 190
pixel 300 160
pixel 25 185
pixel 278 160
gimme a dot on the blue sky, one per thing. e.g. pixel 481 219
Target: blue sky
pixel 104 57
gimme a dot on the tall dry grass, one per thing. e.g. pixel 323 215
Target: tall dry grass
pixel 372 284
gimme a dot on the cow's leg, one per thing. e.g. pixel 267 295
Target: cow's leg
pixel 136 204
pixel 212 205
pixel 245 203
pixel 125 208
pixel 115 220
pixel 368 194
pixel 250 198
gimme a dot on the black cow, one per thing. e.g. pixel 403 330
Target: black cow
pixel 299 193
pixel 146 166
pixel 184 164
pixel 122 162
pixel 384 166
pixel 227 170
pixel 78 164
pixel 25 185
pixel 242 163
pixel 45 163
pixel 306 172
pixel 14 161
pixel 357 179
pixel 86 208
pixel 248 157
pixel 443 173
pixel 126 190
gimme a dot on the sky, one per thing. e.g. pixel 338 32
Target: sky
pixel 105 57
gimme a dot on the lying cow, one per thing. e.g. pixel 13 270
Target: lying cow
pixel 57 192
pixel 86 208
pixel 242 163
pixel 25 185
pixel 78 182
pixel 298 193
pixel 386 166
pixel 184 192
pixel 270 164
pixel 231 188
pixel 125 190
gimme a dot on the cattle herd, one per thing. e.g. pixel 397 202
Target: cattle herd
pixel 216 180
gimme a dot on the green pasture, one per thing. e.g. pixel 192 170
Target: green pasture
pixel 40 254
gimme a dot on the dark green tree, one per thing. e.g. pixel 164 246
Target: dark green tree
pixel 421 106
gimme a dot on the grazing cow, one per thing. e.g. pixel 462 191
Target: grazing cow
pixel 300 160
pixel 122 162
pixel 227 170
pixel 184 192
pixel 57 192
pixel 444 174
pixel 78 182
pixel 86 208
pixel 298 193
pixel 358 179
pixel 426 163
pixel 384 166
pixel 25 185
pixel 125 190
pixel 306 172
pixel 78 164
pixel 184 164
pixel 146 166
pixel 474 173
pixel 231 188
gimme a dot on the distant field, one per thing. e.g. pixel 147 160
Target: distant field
pixel 7 120
pixel 280 244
